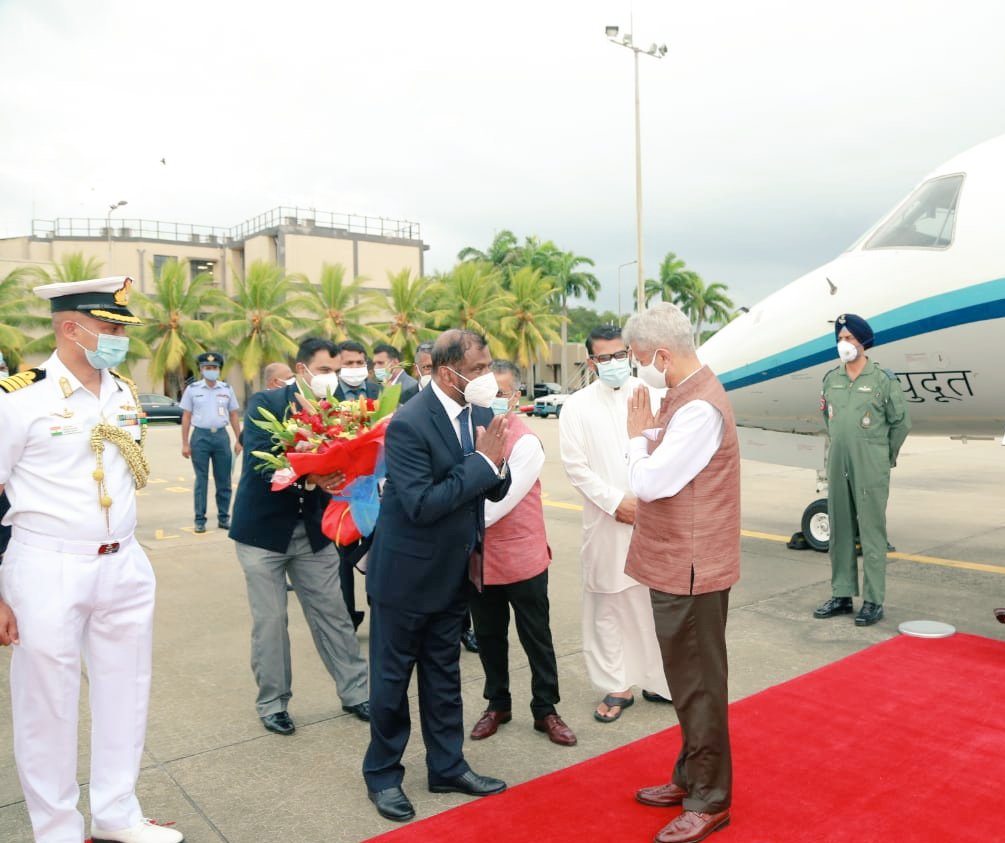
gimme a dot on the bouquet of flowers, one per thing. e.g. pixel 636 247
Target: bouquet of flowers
pixel 325 436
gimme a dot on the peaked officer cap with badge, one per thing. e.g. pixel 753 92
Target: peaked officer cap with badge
pixel 210 358
pixel 102 298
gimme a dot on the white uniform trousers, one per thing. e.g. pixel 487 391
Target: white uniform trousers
pixel 69 604
pixel 619 641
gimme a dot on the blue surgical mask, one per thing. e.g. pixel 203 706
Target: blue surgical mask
pixel 111 350
pixel 500 406
pixel 211 374
pixel 381 373
pixel 614 373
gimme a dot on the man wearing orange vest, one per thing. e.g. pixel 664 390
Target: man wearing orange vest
pixel 516 557
pixel 684 468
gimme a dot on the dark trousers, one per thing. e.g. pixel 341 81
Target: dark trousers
pixel 691 631
pixel 209 446
pixel 490 612
pixel 399 642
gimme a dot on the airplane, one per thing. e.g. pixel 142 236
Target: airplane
pixel 930 279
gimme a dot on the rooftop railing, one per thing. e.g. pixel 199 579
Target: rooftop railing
pixel 305 220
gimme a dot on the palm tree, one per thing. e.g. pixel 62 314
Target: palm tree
pixel 259 320
pixel 673 279
pixel 407 302
pixel 704 304
pixel 338 309
pixel 571 280
pixel 502 251
pixel 531 322
pixel 174 327
pixel 473 298
pixel 20 315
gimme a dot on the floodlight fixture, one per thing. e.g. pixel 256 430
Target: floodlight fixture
pixel 611 31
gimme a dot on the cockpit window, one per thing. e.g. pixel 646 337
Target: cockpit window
pixel 926 219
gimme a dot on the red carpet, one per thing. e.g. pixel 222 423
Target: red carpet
pixel 902 742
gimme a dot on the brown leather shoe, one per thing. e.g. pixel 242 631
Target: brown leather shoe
pixel 661 795
pixel 1000 614
pixel 690 827
pixel 556 729
pixel 488 723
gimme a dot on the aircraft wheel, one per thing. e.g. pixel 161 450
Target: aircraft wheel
pixel 817 525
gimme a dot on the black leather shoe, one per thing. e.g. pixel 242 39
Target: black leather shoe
pixel 223 523
pixel 199 528
pixel 834 606
pixel 469 783
pixel 469 641
pixel 869 614
pixel 392 804
pixel 361 710
pixel 280 723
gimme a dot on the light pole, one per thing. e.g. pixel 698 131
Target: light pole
pixel 657 52
pixel 108 228
pixel 620 267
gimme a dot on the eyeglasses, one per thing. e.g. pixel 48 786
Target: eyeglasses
pixel 607 358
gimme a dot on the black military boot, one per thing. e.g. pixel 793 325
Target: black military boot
pixel 834 606
pixel 869 614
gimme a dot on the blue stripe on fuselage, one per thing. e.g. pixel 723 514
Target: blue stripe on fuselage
pixel 946 310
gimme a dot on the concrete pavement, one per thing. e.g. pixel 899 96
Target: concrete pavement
pixel 211 767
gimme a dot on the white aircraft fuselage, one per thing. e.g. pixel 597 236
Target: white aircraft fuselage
pixel 929 278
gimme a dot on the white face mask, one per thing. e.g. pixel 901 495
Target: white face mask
pixel 324 383
pixel 353 376
pixel 424 381
pixel 651 376
pixel 481 390
pixel 846 351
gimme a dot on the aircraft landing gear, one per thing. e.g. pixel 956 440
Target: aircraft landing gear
pixel 817 526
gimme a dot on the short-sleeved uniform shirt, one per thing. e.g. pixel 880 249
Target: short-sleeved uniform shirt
pixel 210 405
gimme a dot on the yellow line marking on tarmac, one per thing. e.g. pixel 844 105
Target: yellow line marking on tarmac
pixel 159 534
pixel 907 557
pixel 151 482
pixel 177 489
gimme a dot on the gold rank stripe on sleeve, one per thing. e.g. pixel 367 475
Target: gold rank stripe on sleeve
pixel 21 380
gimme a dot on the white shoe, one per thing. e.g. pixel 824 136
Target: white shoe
pixel 146 832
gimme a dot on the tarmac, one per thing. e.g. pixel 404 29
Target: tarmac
pixel 210 767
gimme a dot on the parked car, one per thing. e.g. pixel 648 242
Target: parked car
pixel 547 388
pixel 160 408
pixel 549 405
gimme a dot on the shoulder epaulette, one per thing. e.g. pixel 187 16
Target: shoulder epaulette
pixel 120 376
pixel 890 374
pixel 830 371
pixel 22 379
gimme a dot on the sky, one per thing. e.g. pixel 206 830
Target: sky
pixel 773 133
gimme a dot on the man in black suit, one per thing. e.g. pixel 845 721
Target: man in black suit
pixel 278 534
pixel 445 456
pixel 388 371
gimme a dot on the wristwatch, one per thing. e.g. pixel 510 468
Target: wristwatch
pixel 503 470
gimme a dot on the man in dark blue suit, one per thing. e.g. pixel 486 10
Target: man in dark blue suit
pixel 352 385
pixel 445 456
pixel 278 534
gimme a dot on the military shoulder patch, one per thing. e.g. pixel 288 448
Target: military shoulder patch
pixel 22 379
pixel 119 376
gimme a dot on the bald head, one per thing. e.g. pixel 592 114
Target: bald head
pixel 459 356
pixel 275 375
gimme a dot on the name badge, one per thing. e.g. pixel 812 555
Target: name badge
pixel 65 429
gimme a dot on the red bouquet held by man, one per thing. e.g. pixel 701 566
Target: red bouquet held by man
pixel 328 436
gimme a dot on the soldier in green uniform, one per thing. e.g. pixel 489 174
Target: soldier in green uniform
pixel 866 417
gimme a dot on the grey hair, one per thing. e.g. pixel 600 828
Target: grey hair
pixel 663 325
pixel 504 366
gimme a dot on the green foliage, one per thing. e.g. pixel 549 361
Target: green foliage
pixel 530 323
pixel 20 313
pixel 411 306
pixel 472 297
pixel 339 310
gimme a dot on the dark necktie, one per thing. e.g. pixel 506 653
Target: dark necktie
pixel 467 446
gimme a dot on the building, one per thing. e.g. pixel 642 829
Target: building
pixel 296 239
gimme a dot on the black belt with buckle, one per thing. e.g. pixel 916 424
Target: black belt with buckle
pixel 107 549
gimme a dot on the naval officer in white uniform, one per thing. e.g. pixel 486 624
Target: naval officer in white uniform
pixel 75 582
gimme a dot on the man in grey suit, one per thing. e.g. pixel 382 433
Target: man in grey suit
pixel 388 371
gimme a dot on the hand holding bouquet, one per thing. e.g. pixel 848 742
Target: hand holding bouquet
pixel 341 441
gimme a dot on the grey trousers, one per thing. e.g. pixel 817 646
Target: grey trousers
pixel 315 578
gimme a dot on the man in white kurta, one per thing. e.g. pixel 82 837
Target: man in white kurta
pixel 619 636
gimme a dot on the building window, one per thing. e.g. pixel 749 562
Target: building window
pixel 160 261
pixel 197 267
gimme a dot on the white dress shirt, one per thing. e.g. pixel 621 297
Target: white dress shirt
pixel 692 438
pixel 453 410
pixel 525 463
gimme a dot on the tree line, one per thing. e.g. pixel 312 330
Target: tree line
pixel 517 294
